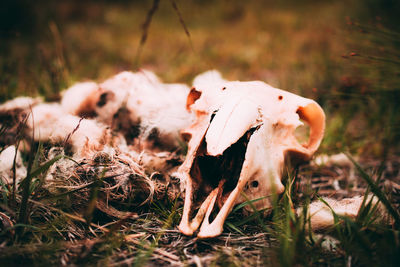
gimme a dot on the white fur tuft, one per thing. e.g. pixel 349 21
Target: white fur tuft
pixel 207 78
pixel 22 102
pixel 75 99
pixel 6 165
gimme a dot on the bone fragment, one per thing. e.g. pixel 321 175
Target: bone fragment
pixel 321 215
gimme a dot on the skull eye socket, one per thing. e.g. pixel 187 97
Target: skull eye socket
pixel 254 184
pixel 193 96
pixel 302 133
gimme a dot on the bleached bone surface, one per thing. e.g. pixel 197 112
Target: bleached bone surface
pixel 321 216
pixel 337 159
pixel 242 133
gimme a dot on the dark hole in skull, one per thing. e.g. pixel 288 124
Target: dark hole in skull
pixel 213 115
pixel 209 172
pixel 254 184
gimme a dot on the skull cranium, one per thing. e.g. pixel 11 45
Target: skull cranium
pixel 238 143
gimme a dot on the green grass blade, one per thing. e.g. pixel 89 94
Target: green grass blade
pixel 233 227
pixel 377 191
pixel 248 202
pixel 45 166
pixel 18 225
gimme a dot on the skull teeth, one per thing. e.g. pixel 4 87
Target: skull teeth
pixel 189 227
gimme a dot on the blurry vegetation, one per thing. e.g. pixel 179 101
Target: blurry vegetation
pixel 302 46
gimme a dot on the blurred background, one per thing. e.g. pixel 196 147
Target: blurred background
pixel 343 54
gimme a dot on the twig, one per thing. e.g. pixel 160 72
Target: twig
pixel 71 133
pixel 175 7
pixel 145 28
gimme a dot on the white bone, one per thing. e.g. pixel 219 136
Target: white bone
pixel 337 159
pixel 232 117
pixel 321 215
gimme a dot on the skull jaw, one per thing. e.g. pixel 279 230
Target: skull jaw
pixel 186 226
pixel 202 218
pixel 207 229
pixel 262 164
pixel 219 178
pixel 247 164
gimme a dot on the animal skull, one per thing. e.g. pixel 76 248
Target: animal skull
pixel 238 143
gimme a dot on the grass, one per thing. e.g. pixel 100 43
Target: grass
pixel 56 231
pixel 344 54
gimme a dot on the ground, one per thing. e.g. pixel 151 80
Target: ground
pixel 343 54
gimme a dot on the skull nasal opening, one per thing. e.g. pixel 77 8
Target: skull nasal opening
pixel 213 115
pixel 210 172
